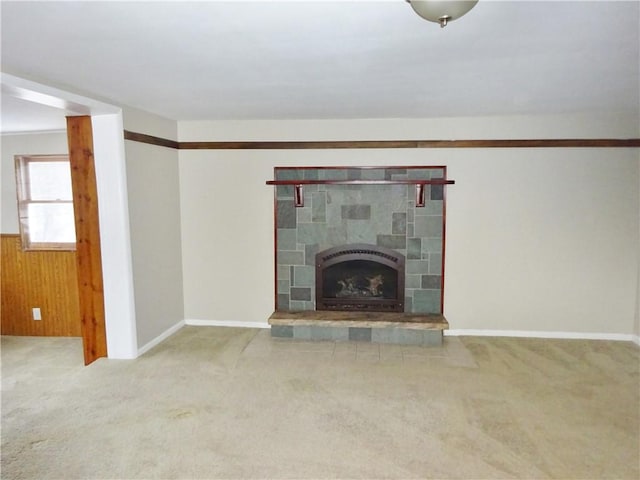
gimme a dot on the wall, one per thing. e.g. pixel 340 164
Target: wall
pixel 154 214
pixel 42 279
pixel 537 239
pixel 46 279
pixel 636 328
pixel 33 144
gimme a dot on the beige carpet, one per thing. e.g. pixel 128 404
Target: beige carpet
pixel 234 403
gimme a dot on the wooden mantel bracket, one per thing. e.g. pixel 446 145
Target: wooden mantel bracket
pixel 298 193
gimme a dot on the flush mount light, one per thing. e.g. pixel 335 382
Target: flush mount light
pixel 441 11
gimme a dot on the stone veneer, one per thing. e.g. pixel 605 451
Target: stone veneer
pixel 383 215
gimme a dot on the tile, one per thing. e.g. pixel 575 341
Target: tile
pixel 414 248
pixel 282 331
pixel 418 267
pixel 299 293
pixel 319 207
pixel 283 272
pixel 310 174
pixel 392 241
pixel 285 214
pixel 312 233
pixel 432 245
pixel 398 223
pixel 360 334
pixel 304 276
pixel 302 332
pixel 356 212
pixel 431 282
pixel 437 192
pixel 428 226
pixel 354 174
pixel 290 258
pixel 283 302
pixel 286 239
pixel 283 287
pixel 426 301
pixel 412 281
pixel 435 263
pixel 310 251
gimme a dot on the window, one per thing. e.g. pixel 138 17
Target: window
pixel 45 202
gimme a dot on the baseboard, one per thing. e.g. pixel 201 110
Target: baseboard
pixel 163 336
pixel 636 339
pixel 542 334
pixel 225 323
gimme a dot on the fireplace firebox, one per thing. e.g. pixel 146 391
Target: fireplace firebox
pixel 360 277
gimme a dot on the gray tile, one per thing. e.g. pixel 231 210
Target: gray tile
pixel 283 286
pixel 282 331
pixel 417 267
pixel 412 281
pixel 310 233
pixel 310 252
pixel 435 263
pixel 399 223
pixel 360 334
pixel 426 301
pixel 310 174
pixel 437 192
pixel 414 248
pixel 432 337
pixel 356 212
pixel 431 281
pixel 286 239
pixel 392 241
pixel 290 258
pixel 298 293
pixel 354 174
pixel 286 214
pixel 283 272
pixel 318 207
pixel 432 245
pixel 428 226
pixel 305 276
pixel 302 332
pixel 289 174
pixel 283 302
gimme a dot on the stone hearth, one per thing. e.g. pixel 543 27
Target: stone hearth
pixel 375 327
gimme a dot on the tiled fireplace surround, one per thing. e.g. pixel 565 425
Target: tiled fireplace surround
pixel 334 215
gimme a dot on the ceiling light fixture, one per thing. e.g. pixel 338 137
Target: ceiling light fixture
pixel 441 11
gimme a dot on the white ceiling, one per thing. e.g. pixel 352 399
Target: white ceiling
pixel 320 59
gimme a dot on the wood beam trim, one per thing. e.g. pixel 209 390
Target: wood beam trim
pixel 149 139
pixel 88 254
pixel 378 144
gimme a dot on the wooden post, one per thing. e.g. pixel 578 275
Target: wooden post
pixel 88 255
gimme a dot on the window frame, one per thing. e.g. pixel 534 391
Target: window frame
pixel 24 199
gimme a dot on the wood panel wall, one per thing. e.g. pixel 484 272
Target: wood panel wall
pixel 44 279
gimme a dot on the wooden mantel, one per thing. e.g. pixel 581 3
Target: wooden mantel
pixel 298 193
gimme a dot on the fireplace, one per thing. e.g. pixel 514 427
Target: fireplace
pixel 395 212
pixel 360 277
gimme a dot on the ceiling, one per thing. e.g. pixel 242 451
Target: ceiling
pixel 320 59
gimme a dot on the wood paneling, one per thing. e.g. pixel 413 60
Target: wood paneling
pixel 355 144
pixel 88 253
pixel 38 279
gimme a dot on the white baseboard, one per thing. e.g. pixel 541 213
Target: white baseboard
pixel 636 339
pixel 225 323
pixel 163 336
pixel 542 334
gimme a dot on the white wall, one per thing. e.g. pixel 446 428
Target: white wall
pixel 32 144
pixel 154 214
pixel 537 239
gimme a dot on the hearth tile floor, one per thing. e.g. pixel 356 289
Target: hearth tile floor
pixel 451 353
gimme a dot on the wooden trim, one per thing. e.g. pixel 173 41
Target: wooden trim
pixel 88 255
pixel 377 144
pixel 435 181
pixel 150 139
